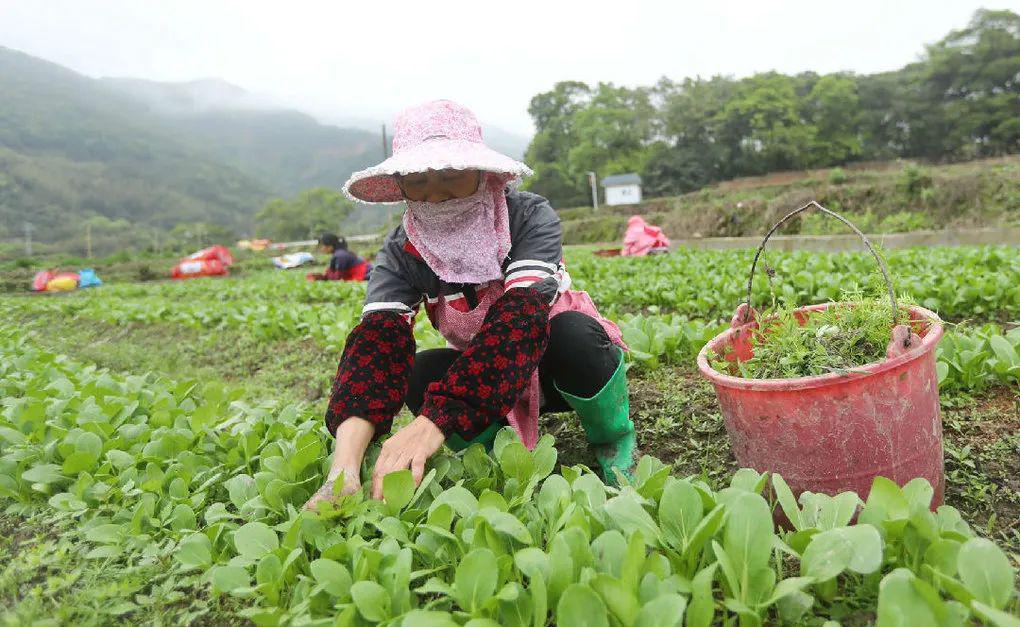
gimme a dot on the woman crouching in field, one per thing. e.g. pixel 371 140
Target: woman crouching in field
pixel 486 263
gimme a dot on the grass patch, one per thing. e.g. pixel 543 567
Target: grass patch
pixel 46 579
pixel 982 445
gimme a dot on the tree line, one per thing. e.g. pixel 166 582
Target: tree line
pixel 960 101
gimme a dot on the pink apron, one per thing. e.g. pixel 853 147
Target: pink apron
pixel 460 327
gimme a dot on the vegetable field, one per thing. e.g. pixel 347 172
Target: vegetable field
pixel 157 442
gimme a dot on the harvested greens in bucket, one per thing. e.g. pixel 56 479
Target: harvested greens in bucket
pixel 843 337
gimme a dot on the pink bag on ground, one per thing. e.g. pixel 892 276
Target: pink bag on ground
pixel 642 238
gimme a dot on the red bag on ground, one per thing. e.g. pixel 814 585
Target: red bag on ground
pixel 217 253
pixel 41 279
pixel 192 269
pixel 50 281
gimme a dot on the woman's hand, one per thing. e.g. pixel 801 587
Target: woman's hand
pixel 352 438
pixel 408 448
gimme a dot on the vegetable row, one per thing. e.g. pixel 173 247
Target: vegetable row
pixel 957 283
pixel 969 358
pixel 185 478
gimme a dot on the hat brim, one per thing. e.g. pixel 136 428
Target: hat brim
pixel 378 185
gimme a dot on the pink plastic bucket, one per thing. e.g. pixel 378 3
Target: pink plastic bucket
pixel 837 432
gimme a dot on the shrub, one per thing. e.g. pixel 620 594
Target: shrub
pixel 913 180
pixel 905 222
pixel 145 273
pixel 821 224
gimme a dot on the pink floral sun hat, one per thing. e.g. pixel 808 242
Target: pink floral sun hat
pixel 437 135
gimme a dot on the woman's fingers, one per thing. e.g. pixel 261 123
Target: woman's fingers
pixel 311 504
pixel 378 473
pixel 418 469
pixel 394 463
pixel 325 493
pixel 350 487
pixel 390 463
pixel 410 448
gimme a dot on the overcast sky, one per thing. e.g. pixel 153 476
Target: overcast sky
pixel 369 59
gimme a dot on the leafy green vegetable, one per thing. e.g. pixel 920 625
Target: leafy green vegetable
pixel 204 489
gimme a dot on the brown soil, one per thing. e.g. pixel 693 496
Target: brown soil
pixel 982 444
pixel 14 532
pixel 677 420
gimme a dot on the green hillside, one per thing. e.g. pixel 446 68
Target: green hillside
pixel 72 150
pixel 285 150
pixel 135 159
pixel 887 197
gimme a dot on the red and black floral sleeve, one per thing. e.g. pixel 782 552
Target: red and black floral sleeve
pixel 484 383
pixel 371 380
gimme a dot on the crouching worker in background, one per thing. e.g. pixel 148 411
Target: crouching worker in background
pixel 485 262
pixel 344 265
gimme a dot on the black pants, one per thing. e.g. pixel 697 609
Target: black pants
pixel 580 358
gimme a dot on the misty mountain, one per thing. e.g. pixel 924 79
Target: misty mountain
pixel 189 97
pixel 148 154
pixel 139 154
pixel 73 150
pixel 284 150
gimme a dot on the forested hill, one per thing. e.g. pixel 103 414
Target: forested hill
pixel 960 101
pixel 71 149
pixel 133 157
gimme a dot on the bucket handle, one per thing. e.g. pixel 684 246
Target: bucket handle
pixel 906 341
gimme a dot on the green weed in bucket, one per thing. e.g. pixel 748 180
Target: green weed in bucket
pixel 844 336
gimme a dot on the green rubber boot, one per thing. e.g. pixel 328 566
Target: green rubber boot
pixel 605 418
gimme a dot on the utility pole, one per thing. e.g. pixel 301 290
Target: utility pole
pixel 88 240
pixel 28 239
pixel 385 144
pixel 594 190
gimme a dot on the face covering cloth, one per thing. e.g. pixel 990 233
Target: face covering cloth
pixel 463 240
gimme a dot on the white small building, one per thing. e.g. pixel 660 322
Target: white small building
pixel 622 189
